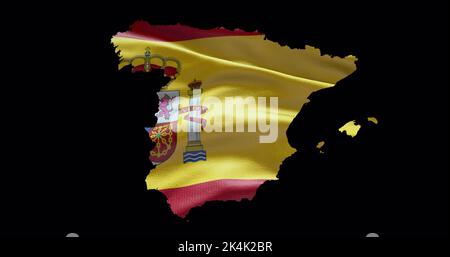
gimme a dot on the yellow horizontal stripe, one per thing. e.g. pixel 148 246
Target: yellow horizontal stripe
pixel 238 66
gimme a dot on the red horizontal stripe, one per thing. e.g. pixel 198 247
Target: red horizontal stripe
pixel 183 199
pixel 170 33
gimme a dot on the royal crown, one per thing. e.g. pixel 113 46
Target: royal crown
pixel 195 84
pixel 148 66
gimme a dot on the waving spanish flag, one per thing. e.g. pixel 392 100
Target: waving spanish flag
pixel 222 120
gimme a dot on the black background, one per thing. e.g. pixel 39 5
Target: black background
pixel 72 121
